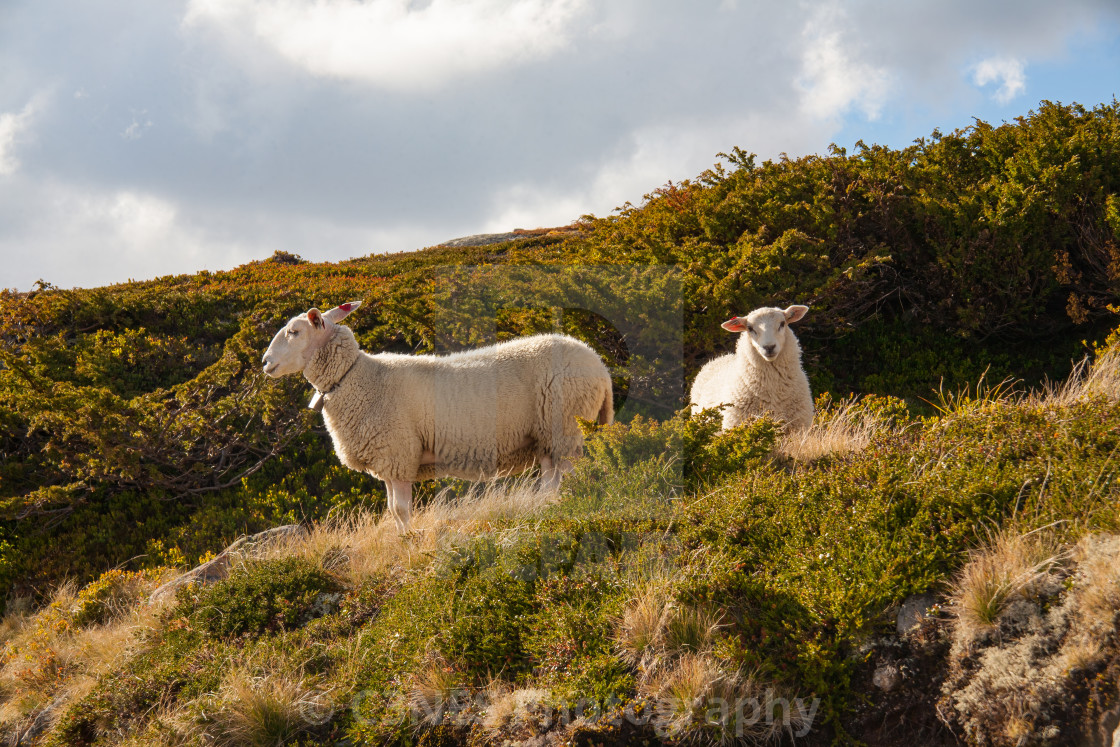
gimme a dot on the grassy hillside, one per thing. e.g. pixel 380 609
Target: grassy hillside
pixel 678 568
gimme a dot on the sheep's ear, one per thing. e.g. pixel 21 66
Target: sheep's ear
pixel 316 318
pixel 340 312
pixel 793 313
pixel 735 324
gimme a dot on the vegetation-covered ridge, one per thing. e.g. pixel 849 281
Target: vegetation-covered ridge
pixel 137 433
pixel 686 586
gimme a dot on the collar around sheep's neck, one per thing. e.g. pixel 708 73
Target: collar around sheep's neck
pixel 319 398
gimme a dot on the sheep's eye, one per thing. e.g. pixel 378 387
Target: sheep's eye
pixel 782 325
pixel 750 329
pixel 293 332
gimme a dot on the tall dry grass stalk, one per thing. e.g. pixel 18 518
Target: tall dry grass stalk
pixel 362 543
pixel 1099 378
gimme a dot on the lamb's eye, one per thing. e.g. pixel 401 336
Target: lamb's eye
pixel 750 329
pixel 293 332
pixel 782 325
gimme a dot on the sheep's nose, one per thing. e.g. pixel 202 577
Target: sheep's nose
pixel 770 349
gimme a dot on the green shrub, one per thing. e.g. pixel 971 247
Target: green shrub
pixel 570 637
pixel 711 456
pixel 489 619
pixel 259 597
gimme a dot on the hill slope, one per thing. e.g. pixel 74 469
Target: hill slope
pixel 137 431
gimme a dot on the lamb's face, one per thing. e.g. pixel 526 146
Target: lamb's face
pixel 766 328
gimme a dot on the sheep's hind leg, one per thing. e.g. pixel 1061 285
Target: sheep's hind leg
pixel 400 502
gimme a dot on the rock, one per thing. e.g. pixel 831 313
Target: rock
pixel 482 239
pixel 1110 721
pixel 43 719
pixel 887 677
pixel 913 611
pixel 485 239
pixel 218 568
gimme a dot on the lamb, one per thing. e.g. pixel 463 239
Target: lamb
pixel 763 376
pixel 477 414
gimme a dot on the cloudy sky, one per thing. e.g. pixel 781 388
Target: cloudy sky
pixel 142 138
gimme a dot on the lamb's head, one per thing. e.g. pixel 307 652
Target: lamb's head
pixel 295 345
pixel 766 328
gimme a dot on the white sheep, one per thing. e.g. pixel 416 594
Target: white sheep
pixel 763 376
pixel 475 415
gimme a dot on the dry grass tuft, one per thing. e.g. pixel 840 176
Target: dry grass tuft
pixel 1100 378
pixel 1010 568
pixel 849 428
pixel 435 690
pixel 56 655
pixel 250 709
pixel 689 629
pixel 653 629
pixel 261 710
pixel 361 544
pixel 639 637
pixel 698 700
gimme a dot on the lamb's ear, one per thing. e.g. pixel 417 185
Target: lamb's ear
pixel 735 324
pixel 340 312
pixel 794 313
pixel 316 318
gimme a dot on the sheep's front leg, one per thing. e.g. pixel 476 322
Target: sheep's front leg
pixel 399 493
pixel 550 474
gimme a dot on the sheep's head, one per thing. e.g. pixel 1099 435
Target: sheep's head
pixel 766 328
pixel 295 345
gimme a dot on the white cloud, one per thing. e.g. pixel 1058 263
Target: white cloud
pixel 1009 72
pixel 654 156
pixel 832 78
pixel 13 129
pixel 335 128
pixel 396 44
pixel 87 238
